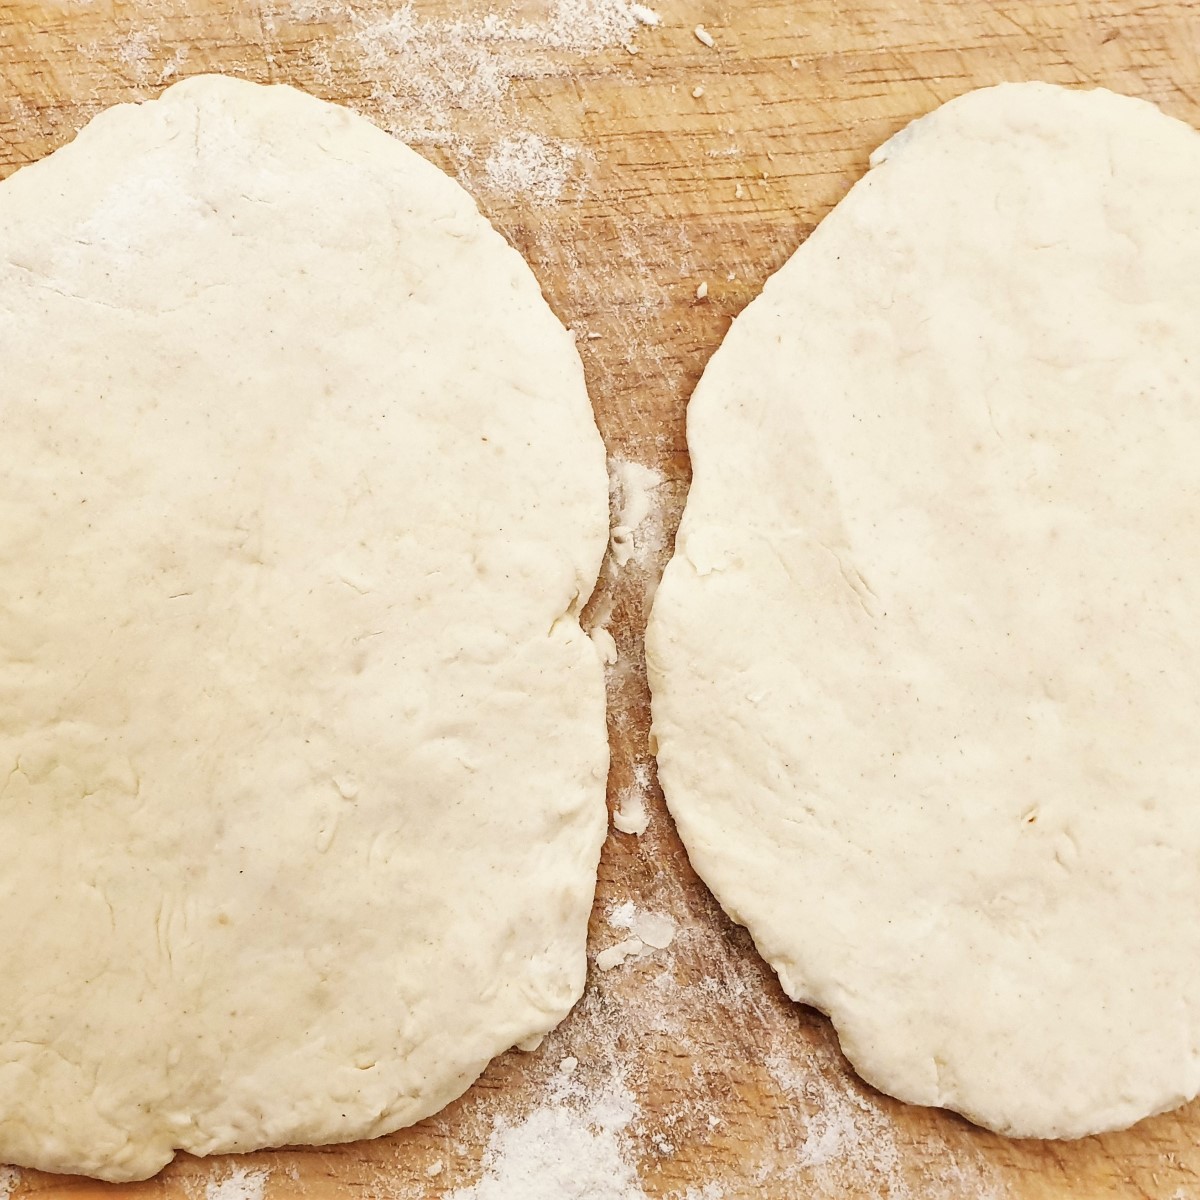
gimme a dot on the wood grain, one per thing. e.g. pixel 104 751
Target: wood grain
pixel 738 1090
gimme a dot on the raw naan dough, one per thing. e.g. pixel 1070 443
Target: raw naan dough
pixel 302 750
pixel 926 664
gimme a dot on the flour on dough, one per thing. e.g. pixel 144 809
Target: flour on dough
pixel 302 749
pixel 926 663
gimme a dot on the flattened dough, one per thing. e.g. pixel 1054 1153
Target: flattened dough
pixel 926 663
pixel 302 750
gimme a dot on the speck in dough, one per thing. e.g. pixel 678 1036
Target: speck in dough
pixel 302 749
pixel 926 663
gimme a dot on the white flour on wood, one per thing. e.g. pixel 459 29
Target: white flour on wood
pixel 136 54
pixel 637 533
pixel 569 1148
pixel 531 165
pixel 632 815
pixel 242 1183
pixel 422 70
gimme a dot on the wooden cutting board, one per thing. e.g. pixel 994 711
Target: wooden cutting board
pixel 630 165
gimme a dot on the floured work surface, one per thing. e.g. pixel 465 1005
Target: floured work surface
pixel 684 1072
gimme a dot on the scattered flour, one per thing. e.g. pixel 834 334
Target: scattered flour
pixel 530 166
pixel 136 53
pixel 842 1127
pixel 9 1178
pixel 710 1191
pixel 172 65
pixel 423 69
pixel 850 1141
pixel 638 496
pixel 242 1183
pixel 570 1148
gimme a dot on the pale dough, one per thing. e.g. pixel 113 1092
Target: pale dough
pixel 302 749
pixel 926 663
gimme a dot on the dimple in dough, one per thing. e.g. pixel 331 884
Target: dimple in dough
pixel 926 663
pixel 302 749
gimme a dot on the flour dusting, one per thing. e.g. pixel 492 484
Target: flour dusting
pixel 242 1183
pixel 136 53
pixel 9 1178
pixel 843 1125
pixel 531 166
pixel 569 1148
pixel 849 1140
pixel 173 64
pixel 423 69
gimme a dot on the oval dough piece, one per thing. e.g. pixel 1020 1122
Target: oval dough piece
pixel 926 663
pixel 302 749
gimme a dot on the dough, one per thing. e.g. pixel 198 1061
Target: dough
pixel 302 749
pixel 926 663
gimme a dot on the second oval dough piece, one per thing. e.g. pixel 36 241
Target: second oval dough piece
pixel 926 663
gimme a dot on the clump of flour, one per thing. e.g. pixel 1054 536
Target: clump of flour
pixel 637 533
pixel 648 932
pixel 632 815
pixel 569 1148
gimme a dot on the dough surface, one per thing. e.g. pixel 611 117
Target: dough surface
pixel 926 663
pixel 302 749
